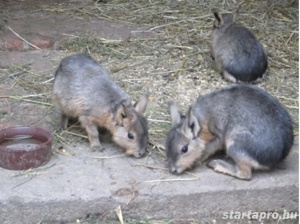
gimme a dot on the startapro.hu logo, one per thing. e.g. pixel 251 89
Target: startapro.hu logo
pixel 261 216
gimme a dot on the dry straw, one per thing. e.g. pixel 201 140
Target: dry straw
pixel 166 54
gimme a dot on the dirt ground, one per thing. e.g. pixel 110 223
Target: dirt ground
pixel 155 47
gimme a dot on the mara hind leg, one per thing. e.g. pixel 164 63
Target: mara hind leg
pixel 242 165
pixel 227 76
pixel 218 65
pixel 241 170
pixel 239 143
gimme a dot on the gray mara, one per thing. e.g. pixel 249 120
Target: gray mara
pixel 84 90
pixel 236 52
pixel 252 127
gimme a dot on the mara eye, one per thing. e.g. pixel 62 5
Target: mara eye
pixel 184 149
pixel 130 136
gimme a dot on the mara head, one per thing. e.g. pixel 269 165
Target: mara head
pixel 131 128
pixel 184 147
pixel 224 19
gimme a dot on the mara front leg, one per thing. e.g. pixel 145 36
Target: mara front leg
pixel 92 131
pixel 212 147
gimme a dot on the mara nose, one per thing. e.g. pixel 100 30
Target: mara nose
pixel 140 153
pixel 175 170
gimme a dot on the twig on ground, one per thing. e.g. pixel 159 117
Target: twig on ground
pixel 109 157
pixel 75 134
pixel 26 100
pixel 118 211
pixel 32 45
pixel 149 166
pixel 171 180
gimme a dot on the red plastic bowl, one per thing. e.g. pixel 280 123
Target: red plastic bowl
pixel 23 147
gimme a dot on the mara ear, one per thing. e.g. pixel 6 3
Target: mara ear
pixel 236 13
pixel 141 105
pixel 121 114
pixel 175 114
pixel 218 19
pixel 191 126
